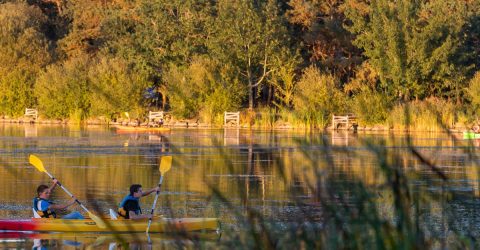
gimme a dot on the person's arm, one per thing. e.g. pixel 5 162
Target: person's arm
pixel 133 216
pixel 55 182
pixel 62 206
pixel 150 191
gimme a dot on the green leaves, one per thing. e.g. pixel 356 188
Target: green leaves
pixel 473 92
pixel 248 35
pixel 82 87
pixel 115 87
pixel 202 89
pixel 410 43
pixel 63 89
pixel 317 97
pixel 24 51
pixel 233 54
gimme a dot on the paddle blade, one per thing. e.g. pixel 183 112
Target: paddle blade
pixel 37 163
pixel 100 222
pixel 165 164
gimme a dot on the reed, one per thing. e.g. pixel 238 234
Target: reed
pixel 428 115
pixel 344 212
pixel 274 118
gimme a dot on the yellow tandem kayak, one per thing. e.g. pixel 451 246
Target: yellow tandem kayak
pixel 159 225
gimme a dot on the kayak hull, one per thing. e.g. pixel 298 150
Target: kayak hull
pixel 86 237
pixel 127 129
pixel 159 225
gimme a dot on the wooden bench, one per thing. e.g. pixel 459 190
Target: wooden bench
pixel 231 117
pixel 156 117
pixel 350 120
pixel 31 112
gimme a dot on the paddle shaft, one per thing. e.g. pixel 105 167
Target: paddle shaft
pixel 68 192
pixel 155 202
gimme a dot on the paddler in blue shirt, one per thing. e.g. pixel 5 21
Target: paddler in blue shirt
pixel 46 208
pixel 130 206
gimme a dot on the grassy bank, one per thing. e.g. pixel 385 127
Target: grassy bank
pixel 413 116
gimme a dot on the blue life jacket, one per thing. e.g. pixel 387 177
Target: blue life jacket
pixel 124 212
pixel 46 213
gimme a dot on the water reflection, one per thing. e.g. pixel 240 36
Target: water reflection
pixel 278 174
pixel 45 241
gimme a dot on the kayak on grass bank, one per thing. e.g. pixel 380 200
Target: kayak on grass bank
pixel 159 225
pixel 127 129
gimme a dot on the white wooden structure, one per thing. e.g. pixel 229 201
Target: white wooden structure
pixel 349 120
pixel 31 112
pixel 155 116
pixel 231 117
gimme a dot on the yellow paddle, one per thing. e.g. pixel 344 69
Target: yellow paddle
pixel 165 165
pixel 38 164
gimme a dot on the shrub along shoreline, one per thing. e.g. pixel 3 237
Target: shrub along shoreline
pixel 429 116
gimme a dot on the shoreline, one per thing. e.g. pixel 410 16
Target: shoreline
pixel 195 124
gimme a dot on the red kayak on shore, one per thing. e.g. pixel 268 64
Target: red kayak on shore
pixel 128 129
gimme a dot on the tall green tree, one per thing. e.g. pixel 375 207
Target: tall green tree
pixel 469 53
pixel 84 33
pixel 248 35
pixel 410 43
pixel 24 51
pixel 283 78
pixel 155 34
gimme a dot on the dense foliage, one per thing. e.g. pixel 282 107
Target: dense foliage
pixel 80 59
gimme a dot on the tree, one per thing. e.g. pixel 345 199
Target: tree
pixel 84 34
pixel 24 51
pixel 473 92
pixel 248 35
pixel 469 53
pixel 317 97
pixel 63 89
pixel 283 78
pixel 318 24
pixel 410 43
pixel 115 87
pixel 202 88
pixel 155 34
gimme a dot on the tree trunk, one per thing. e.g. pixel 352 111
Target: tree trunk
pixel 250 97
pixel 164 101
pixel 251 94
pixel 271 94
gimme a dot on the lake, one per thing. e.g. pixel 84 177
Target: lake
pixel 283 177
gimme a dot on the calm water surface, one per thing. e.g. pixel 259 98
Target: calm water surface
pixel 253 169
